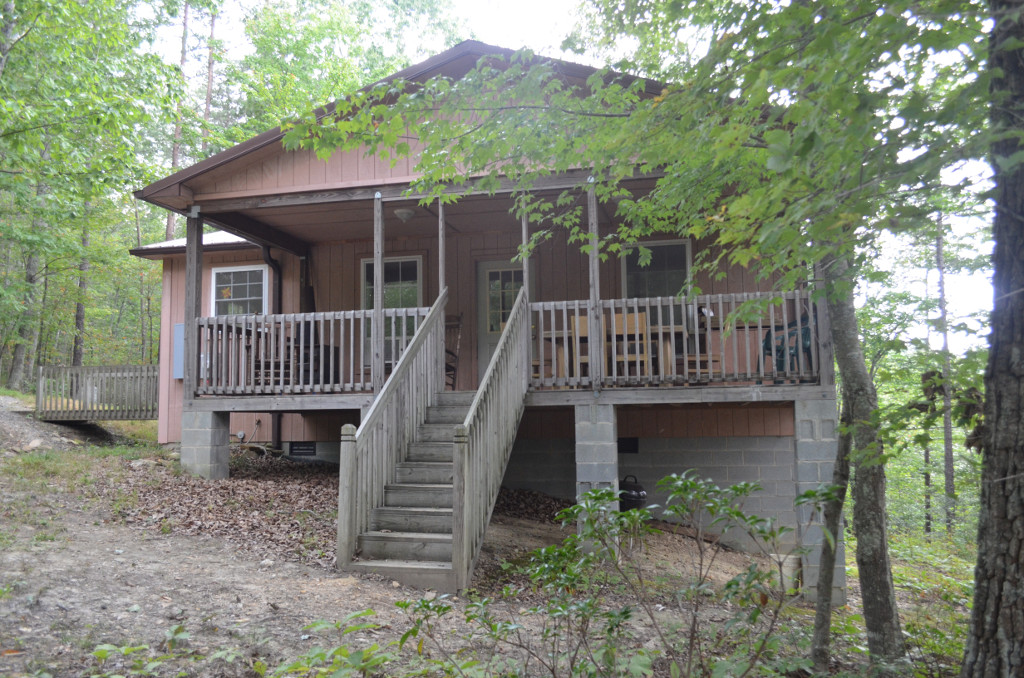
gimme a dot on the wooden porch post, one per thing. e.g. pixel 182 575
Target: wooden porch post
pixel 377 326
pixel 826 361
pixel 526 257
pixel 440 246
pixel 193 299
pixel 597 347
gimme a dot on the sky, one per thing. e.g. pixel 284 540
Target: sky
pixel 537 24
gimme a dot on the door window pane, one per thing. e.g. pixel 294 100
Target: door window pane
pixel 502 288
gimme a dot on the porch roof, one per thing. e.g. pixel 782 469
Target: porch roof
pixel 212 242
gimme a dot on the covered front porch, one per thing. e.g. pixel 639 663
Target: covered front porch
pixel 349 320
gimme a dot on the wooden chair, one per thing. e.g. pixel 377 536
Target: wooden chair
pixel 452 340
pixel 781 349
pixel 580 350
pixel 631 345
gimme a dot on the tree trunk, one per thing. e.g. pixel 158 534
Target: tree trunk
pixel 826 571
pixel 947 376
pixel 78 349
pixel 7 37
pixel 209 82
pixel 179 108
pixel 28 332
pixel 860 402
pixel 927 489
pixel 994 646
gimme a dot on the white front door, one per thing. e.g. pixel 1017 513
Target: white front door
pixel 497 286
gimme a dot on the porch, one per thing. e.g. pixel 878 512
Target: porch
pixel 707 341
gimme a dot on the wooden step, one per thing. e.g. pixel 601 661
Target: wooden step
pixel 405 546
pixel 423 574
pixel 425 472
pixel 447 414
pixel 436 433
pixel 430 451
pixel 418 494
pixel 458 398
pixel 412 519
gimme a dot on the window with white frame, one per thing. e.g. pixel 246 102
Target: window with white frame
pixel 664 275
pixel 239 290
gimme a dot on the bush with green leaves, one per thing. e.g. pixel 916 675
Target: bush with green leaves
pixel 599 592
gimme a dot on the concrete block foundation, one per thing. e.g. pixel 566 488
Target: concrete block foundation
pixel 205 447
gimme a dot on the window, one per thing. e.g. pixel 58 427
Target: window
pixel 663 276
pixel 401 283
pixel 502 289
pixel 402 289
pixel 240 290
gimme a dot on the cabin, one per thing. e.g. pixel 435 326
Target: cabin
pixel 334 315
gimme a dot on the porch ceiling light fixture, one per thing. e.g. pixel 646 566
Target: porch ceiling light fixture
pixel 405 213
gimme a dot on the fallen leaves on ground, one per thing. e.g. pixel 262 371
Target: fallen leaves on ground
pixel 269 508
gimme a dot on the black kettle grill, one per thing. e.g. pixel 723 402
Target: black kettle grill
pixel 632 494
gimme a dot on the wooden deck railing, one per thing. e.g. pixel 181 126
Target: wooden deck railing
pixel 97 393
pixel 326 352
pixel 484 440
pixel 369 455
pixel 666 340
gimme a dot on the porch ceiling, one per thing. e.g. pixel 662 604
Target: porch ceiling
pixel 354 220
pixel 332 221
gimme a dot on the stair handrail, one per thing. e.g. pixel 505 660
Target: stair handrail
pixel 484 440
pixel 370 454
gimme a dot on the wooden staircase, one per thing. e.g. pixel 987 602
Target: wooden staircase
pixel 410 536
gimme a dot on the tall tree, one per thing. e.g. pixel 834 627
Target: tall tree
pixel 179 111
pixel 994 645
pixel 949 479
pixel 76 87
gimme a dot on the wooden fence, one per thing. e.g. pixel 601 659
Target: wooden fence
pixel 97 393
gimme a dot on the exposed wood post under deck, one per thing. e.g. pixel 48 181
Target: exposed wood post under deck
pixel 596 348
pixel 193 299
pixel 377 327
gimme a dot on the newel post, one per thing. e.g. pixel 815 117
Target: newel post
pixel 346 496
pixel 460 557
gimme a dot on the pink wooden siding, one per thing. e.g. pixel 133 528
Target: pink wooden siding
pixel 273 170
pixel 293 426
